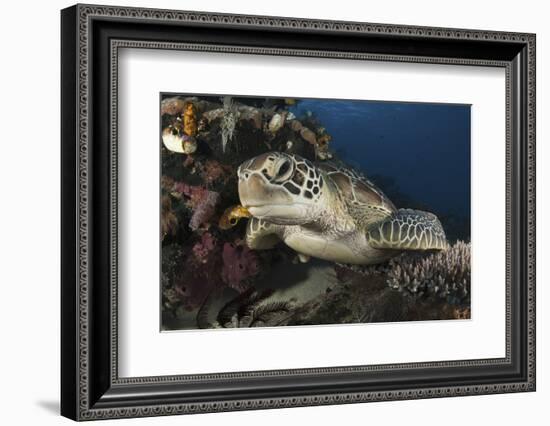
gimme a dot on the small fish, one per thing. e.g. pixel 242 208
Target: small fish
pixel 232 215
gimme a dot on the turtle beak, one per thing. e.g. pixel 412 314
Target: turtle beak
pixel 255 191
pixel 251 187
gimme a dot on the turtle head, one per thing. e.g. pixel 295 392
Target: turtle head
pixel 281 188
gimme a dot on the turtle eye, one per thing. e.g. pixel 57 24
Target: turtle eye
pixel 284 172
pixel 174 131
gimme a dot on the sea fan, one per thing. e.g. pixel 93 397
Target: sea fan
pixel 248 309
pixel 240 306
pixel 268 314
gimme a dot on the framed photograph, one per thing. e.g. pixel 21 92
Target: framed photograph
pixel 263 212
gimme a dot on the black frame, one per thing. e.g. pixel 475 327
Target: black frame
pixel 91 37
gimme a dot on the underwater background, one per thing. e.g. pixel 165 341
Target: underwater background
pixel 424 149
pixel 418 154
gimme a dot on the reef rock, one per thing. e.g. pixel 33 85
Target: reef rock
pixel 276 122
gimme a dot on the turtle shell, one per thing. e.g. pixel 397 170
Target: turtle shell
pixel 355 189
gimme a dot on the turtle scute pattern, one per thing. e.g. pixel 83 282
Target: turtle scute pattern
pixel 409 229
pixel 365 202
pixel 307 180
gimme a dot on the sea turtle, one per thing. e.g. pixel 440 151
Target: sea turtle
pixel 329 212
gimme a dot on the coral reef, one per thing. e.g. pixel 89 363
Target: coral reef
pixel 190 120
pixel 172 106
pixel 239 264
pixel 277 122
pixel 383 293
pixel 229 121
pixel 202 249
pixel 168 220
pixel 213 171
pixel 251 308
pixel 202 201
pixel 444 275
pixel 198 277
pixel 172 259
pixel 180 129
pixel 322 146
pixel 308 135
pixel 252 115
pixel 204 210
pixel 211 279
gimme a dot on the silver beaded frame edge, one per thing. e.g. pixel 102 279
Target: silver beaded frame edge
pixel 87 12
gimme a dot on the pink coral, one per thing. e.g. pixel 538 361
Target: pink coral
pixel 239 264
pixel 202 201
pixel 204 247
pixel 200 273
pixel 194 193
pixel 213 171
pixel 194 286
pixel 204 211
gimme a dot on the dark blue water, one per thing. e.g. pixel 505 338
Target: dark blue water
pixel 424 148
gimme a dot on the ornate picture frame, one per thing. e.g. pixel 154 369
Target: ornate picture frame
pixel 91 37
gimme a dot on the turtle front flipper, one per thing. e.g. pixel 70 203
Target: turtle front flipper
pixel 408 229
pixel 262 235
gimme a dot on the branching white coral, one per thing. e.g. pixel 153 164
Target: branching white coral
pixel 229 121
pixel 445 274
